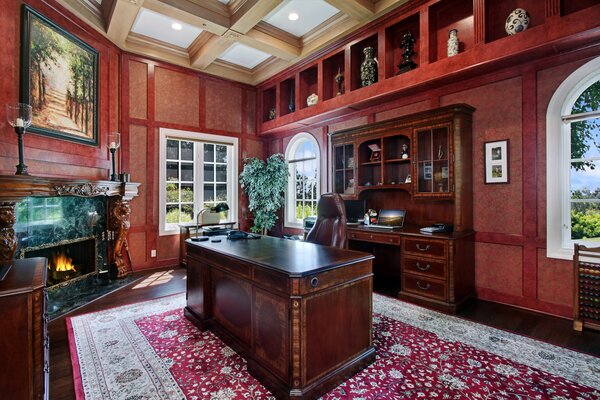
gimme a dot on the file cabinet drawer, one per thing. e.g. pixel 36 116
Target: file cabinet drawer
pixel 425 247
pixel 422 266
pixel 424 286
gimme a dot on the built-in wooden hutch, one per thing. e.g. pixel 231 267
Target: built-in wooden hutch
pixel 423 166
pixel 556 26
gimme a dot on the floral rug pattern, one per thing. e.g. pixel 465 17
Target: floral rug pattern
pixel 151 351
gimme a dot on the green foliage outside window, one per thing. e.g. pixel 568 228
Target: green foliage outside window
pixel 582 132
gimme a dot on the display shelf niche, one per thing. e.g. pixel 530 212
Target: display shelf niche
pixel 444 16
pixel 357 57
pixel 287 94
pixel 331 66
pixel 308 85
pixel 496 13
pixel 268 102
pixel 393 37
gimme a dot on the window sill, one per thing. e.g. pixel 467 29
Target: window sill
pixel 561 254
pixel 293 225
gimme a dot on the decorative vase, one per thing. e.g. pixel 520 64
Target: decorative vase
pixel 404 153
pixel 408 44
pixel 339 80
pixel 452 43
pixel 517 21
pixel 312 100
pixel 368 68
pixel 292 105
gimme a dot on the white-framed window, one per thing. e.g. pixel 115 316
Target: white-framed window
pixel 303 157
pixel 197 171
pixel 573 162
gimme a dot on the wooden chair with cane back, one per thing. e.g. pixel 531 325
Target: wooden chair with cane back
pixel 586 304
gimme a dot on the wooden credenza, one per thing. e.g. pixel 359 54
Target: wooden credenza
pixel 300 313
pixel 24 345
pixel 435 270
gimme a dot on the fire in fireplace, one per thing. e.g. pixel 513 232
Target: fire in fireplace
pixel 68 260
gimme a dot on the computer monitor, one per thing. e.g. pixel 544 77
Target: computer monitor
pixel 392 218
pixel 355 210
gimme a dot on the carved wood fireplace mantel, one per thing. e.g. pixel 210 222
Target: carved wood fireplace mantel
pixel 14 188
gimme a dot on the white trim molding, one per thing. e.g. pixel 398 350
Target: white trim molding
pixel 558 145
pixel 197 137
pixel 297 140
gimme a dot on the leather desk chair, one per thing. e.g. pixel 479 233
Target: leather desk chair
pixel 330 226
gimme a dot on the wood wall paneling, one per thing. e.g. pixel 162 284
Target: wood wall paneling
pixel 177 97
pixel 47 156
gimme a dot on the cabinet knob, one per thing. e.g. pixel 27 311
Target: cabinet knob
pixel 425 268
pixel 423 287
pixel 370 236
pixel 423 248
pixel 314 282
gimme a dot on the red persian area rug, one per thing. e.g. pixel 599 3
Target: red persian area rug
pixel 150 351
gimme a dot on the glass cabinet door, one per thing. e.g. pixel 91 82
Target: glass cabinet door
pixel 343 169
pixel 433 162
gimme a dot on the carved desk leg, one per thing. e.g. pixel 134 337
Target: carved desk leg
pixel 8 240
pixel 119 222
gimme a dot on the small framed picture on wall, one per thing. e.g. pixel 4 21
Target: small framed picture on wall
pixel 496 161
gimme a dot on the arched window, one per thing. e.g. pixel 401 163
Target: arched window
pixel 573 162
pixel 303 192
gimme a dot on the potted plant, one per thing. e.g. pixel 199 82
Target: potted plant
pixel 265 184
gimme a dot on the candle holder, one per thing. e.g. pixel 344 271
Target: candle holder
pixel 114 142
pixel 19 117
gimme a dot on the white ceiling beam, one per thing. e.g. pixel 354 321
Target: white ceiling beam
pixel 202 57
pixel 119 17
pixel 251 13
pixel 383 6
pixel 358 9
pixel 277 45
pixel 209 19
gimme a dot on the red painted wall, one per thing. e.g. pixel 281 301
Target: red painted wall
pixel 510 219
pixel 160 95
pixel 43 155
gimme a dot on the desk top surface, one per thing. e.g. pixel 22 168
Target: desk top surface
pixel 408 230
pixel 292 257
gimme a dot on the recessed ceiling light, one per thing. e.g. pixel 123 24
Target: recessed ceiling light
pixel 177 26
pixel 293 16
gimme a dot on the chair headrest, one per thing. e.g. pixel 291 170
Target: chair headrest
pixel 331 205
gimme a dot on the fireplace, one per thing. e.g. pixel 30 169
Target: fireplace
pixel 68 260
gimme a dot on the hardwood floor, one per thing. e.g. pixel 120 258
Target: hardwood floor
pixel 163 283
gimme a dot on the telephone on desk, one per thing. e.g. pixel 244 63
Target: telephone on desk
pixel 438 228
pixel 238 235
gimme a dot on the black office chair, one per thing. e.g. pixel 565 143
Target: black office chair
pixel 330 226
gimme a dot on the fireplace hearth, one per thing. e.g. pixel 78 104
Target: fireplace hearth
pixel 68 260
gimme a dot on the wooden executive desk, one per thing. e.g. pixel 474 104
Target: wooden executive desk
pixel 300 313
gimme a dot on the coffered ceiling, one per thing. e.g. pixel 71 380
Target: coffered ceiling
pixel 244 40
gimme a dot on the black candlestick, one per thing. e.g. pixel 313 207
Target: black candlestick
pixel 21 168
pixel 114 176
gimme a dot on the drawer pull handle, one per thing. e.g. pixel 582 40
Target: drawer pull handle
pixel 425 268
pixel 423 287
pixel 370 236
pixel 423 248
pixel 314 282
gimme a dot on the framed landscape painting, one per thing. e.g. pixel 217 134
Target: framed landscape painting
pixel 59 79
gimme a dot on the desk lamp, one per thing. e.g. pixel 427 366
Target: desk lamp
pixel 219 208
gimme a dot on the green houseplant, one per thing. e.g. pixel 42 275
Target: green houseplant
pixel 265 184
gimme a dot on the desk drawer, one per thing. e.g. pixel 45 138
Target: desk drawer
pixel 425 247
pixel 316 282
pixel 424 286
pixel 374 237
pixel 421 266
